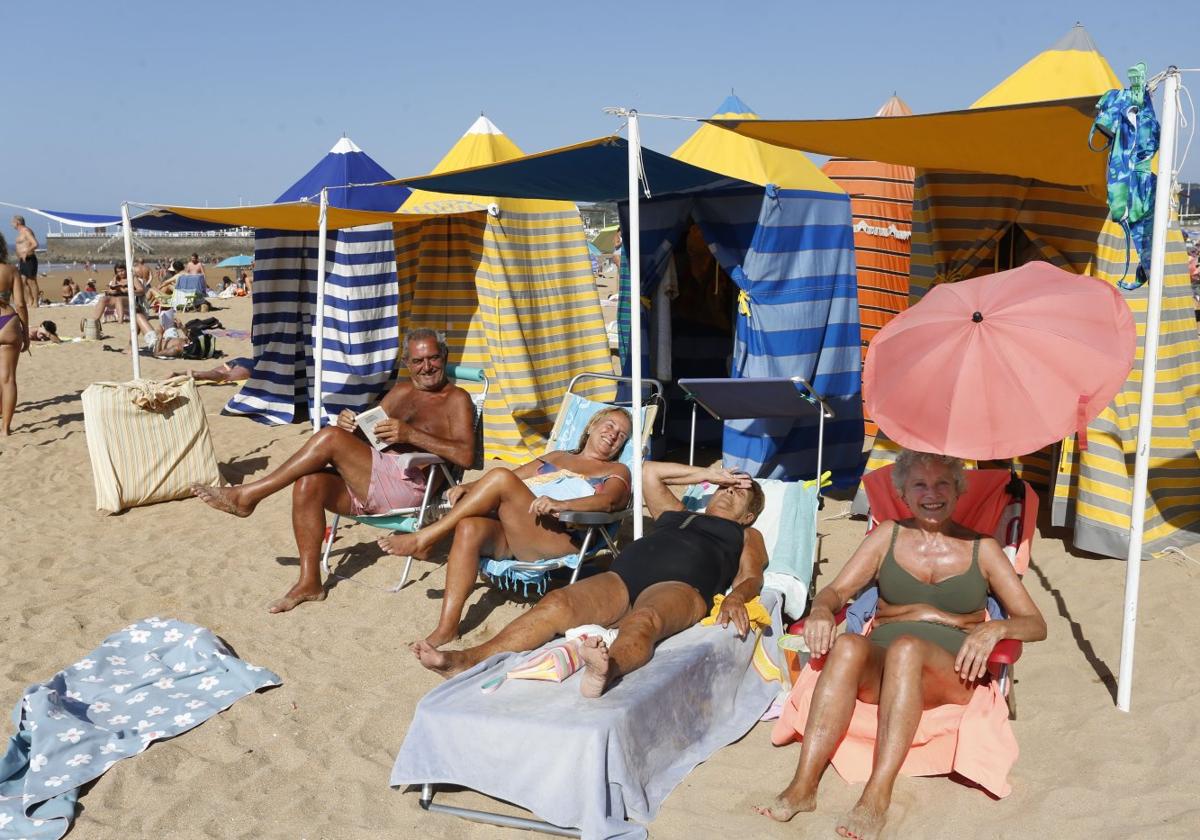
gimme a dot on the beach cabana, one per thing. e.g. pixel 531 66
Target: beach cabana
pixel 811 228
pixel 881 201
pixel 511 288
pixel 1012 180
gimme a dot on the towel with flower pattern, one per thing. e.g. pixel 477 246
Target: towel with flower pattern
pixel 154 679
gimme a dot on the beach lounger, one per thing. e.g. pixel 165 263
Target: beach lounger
pixel 441 477
pixel 190 292
pixel 976 740
pixel 586 766
pixel 600 528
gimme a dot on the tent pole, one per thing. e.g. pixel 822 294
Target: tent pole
pixel 319 317
pixel 635 314
pixel 133 327
pixel 1158 257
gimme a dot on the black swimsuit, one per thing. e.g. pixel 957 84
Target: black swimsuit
pixel 694 548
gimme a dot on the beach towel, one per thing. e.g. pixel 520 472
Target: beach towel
pixel 152 680
pixel 592 763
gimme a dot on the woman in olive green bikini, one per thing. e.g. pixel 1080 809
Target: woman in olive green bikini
pixel 929 645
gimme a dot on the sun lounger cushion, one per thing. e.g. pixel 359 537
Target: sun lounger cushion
pixel 591 763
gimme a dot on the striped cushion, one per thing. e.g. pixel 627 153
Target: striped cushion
pixel 146 455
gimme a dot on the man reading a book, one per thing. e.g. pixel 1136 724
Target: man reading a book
pixel 338 470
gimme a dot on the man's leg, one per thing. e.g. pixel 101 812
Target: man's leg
pixel 330 447
pixel 601 599
pixel 662 610
pixel 852 672
pixel 917 675
pixel 312 495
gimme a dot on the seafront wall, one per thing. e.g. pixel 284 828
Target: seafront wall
pixel 68 249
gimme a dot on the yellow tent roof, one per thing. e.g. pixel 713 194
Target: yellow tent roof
pixel 741 157
pixel 482 145
pixel 1073 67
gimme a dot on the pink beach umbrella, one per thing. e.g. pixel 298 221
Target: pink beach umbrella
pixel 1002 365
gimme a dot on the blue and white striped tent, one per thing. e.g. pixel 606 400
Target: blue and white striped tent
pixel 359 322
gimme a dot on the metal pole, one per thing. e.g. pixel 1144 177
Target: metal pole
pixel 1158 257
pixel 133 329
pixel 319 317
pixel 635 315
pixel 692 444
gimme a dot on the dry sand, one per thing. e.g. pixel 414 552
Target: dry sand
pixel 312 758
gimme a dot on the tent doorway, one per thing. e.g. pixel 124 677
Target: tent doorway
pixel 692 333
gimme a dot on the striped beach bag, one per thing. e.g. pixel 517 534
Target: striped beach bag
pixel 148 441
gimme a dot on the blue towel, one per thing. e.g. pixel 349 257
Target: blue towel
pixel 151 680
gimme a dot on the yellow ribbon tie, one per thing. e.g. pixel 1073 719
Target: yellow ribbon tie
pixel 744 302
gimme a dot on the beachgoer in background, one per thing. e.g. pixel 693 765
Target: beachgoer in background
pixel 118 297
pixel 141 272
pixel 233 370
pixel 14 315
pixel 46 331
pixel 26 247
pixel 246 280
pixel 337 470
pixel 504 514
pixel 69 290
pixel 658 586
pixel 243 288
pixel 194 266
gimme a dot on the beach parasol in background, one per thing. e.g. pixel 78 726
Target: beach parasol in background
pixel 999 366
pixel 238 261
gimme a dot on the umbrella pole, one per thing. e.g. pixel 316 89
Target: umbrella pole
pixel 1158 256
pixel 133 335
pixel 319 318
pixel 635 314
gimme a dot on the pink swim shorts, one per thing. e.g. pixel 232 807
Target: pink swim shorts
pixel 393 486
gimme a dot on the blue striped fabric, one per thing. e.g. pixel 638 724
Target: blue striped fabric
pixel 792 253
pixel 361 328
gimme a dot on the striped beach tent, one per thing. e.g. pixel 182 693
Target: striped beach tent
pixel 967 224
pixel 881 198
pixel 513 291
pixel 787 245
pixel 359 324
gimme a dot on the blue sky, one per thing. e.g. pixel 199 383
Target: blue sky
pixel 219 102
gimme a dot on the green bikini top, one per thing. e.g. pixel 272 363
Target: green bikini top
pixel 961 594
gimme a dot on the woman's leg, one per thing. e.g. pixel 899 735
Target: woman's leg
pixel 312 495
pixel 917 675
pixel 330 447
pixel 9 354
pixel 474 537
pixel 851 672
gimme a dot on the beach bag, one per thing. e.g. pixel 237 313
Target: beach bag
pixel 148 441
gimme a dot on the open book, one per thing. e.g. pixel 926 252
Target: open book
pixel 367 421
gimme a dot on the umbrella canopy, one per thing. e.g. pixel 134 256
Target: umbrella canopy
pixel 1001 365
pixel 236 261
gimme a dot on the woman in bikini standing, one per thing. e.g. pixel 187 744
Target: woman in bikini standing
pixel 501 515
pixel 14 337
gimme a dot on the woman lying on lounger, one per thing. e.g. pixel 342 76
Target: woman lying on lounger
pixel 502 515
pixel 930 642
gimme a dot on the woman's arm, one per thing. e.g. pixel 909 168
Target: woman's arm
pixel 887 613
pixel 747 585
pixel 1024 622
pixel 657 476
pixel 860 569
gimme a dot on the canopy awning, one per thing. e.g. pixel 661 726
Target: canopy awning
pixel 1047 141
pixel 595 170
pixel 299 216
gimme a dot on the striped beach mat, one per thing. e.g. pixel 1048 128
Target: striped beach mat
pixel 148 441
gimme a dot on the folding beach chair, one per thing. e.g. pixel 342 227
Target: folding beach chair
pixel 441 476
pixel 190 293
pixel 600 528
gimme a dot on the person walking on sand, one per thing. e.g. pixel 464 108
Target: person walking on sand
pixel 14 337
pixel 339 471
pixel 26 247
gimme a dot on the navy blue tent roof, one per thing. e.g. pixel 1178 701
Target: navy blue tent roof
pixel 596 170
pixel 347 164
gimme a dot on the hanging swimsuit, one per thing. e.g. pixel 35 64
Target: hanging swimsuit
pixel 960 594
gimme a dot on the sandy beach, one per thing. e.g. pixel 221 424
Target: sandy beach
pixel 311 759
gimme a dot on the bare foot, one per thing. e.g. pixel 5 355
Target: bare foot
pixel 436 639
pixel 404 545
pixel 296 596
pixel 447 663
pixel 785 807
pixel 224 499
pixel 596 663
pixel 861 823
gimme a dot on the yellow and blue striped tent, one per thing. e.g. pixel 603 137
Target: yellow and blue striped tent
pixel 512 290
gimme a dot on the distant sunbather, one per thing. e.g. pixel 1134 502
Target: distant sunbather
pixel 659 585
pixel 503 515
pixel 234 370
pixel 45 331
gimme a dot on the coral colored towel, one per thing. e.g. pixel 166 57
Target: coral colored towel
pixel 975 740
